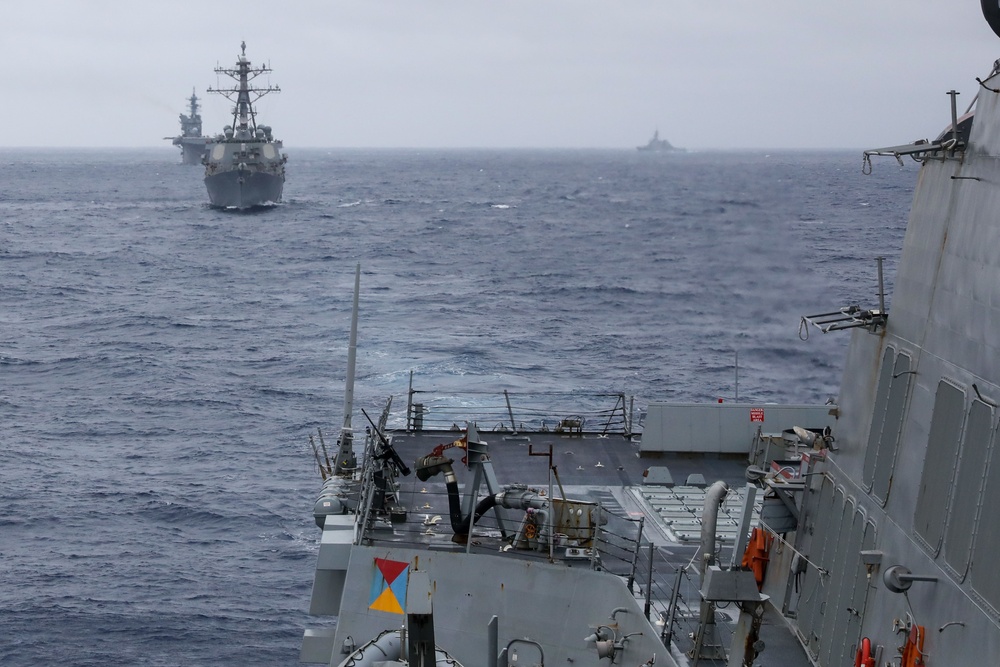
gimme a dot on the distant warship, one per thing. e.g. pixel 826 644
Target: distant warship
pixel 659 145
pixel 245 167
pixel 193 145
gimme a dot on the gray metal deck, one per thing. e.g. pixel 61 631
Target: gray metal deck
pixel 608 470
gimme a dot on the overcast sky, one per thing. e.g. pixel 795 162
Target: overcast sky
pixel 709 74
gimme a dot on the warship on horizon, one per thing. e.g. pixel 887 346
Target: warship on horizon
pixel 659 145
pixel 193 145
pixel 245 167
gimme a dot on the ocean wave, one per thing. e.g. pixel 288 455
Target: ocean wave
pixel 163 362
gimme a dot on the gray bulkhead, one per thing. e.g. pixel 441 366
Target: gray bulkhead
pixel 914 477
pixel 539 606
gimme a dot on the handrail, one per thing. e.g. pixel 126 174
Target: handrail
pixel 504 411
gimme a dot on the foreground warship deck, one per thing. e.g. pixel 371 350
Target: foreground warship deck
pixel 638 573
pixel 876 536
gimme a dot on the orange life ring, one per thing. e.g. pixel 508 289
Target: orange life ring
pixel 757 554
pixel 530 531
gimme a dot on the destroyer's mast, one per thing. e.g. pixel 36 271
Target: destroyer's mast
pixel 244 116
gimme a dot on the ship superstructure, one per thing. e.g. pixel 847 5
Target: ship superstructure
pixel 244 167
pixel 193 145
pixel 894 553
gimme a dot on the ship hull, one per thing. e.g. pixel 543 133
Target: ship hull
pixel 190 155
pixel 193 149
pixel 193 153
pixel 243 189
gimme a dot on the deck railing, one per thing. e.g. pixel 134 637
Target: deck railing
pixel 520 412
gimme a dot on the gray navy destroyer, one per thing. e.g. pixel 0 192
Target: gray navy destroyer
pixel 657 145
pixel 193 145
pixel 491 531
pixel 245 167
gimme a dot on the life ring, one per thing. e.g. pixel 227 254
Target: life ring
pixel 530 531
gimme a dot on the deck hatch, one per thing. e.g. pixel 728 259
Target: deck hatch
pixel 939 464
pixel 812 597
pixel 887 444
pixel 835 533
pixel 850 595
pixel 983 571
pixel 878 416
pixel 967 488
pixel 892 427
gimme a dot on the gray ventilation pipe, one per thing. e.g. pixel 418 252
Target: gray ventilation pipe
pixel 714 495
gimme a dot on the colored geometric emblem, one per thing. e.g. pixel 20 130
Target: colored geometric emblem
pixel 389 585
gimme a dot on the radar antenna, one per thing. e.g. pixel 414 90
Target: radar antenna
pixel 244 115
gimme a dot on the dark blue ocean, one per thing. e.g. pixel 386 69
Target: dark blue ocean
pixel 163 363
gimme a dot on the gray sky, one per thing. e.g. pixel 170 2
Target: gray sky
pixel 515 73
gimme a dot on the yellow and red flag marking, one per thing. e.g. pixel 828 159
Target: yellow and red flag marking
pixel 389 585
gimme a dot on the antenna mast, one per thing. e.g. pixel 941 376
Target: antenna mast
pixel 244 115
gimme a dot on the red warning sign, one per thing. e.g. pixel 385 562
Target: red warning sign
pixel 756 414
